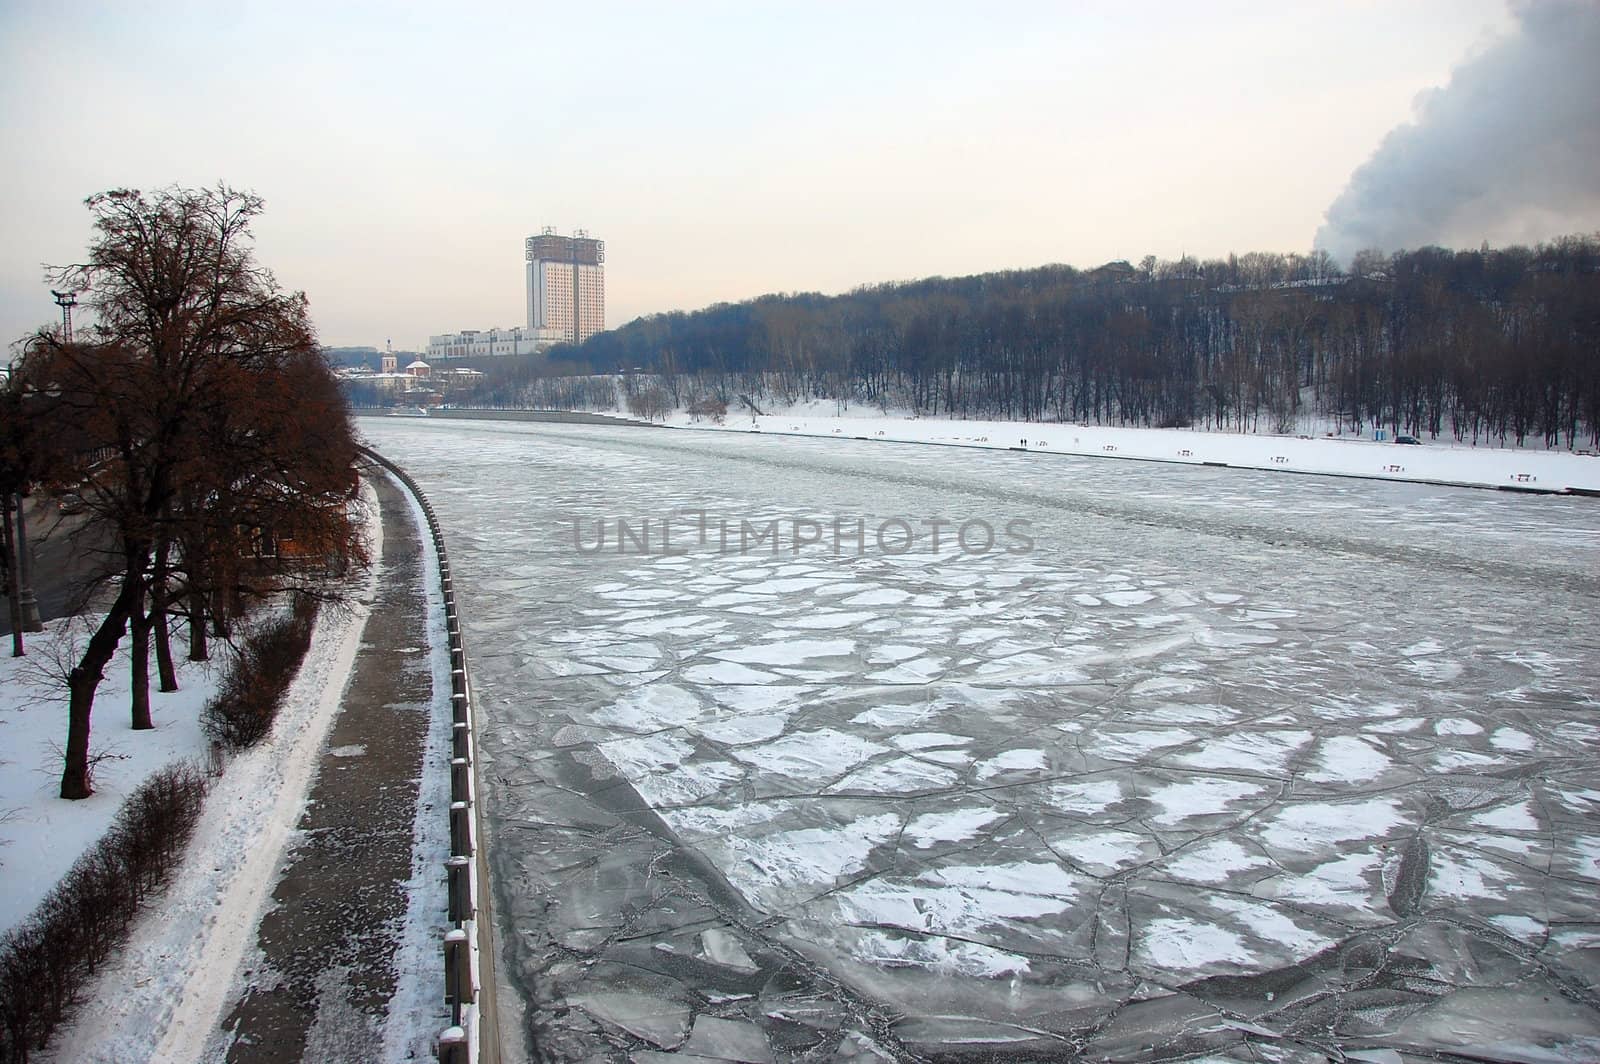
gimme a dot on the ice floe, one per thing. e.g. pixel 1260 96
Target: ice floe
pixel 816 755
pixel 956 825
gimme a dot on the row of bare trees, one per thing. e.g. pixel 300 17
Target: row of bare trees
pixel 1490 344
pixel 198 429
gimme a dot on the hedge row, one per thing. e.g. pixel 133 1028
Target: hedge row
pixel 46 961
pixel 242 711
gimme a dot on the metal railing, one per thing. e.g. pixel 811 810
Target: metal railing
pixel 468 956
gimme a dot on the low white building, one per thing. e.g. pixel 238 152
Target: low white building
pixel 489 343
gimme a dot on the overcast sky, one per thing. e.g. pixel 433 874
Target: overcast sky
pixel 721 150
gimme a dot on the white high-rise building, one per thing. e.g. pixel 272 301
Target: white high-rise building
pixel 566 282
pixel 566 285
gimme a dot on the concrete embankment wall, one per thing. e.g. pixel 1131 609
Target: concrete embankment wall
pixel 468 947
pixel 566 417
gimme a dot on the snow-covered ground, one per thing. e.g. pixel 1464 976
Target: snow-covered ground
pixel 162 998
pixel 41 834
pixel 1224 761
pixel 1442 462
pixel 416 1012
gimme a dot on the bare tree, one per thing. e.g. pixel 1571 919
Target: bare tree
pixel 184 437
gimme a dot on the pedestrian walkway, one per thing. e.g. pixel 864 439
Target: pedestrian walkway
pixel 327 943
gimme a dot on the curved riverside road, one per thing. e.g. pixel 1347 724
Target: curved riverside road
pixel 320 985
pixel 1224 763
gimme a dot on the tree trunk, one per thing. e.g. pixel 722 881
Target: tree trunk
pixel 197 627
pixel 166 674
pixel 221 626
pixel 139 687
pixel 82 682
pixel 158 616
pixel 75 773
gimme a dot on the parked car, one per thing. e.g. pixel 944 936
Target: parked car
pixel 1408 439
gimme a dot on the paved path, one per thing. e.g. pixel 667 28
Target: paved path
pixel 329 940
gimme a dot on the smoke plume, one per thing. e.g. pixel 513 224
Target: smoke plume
pixel 1508 151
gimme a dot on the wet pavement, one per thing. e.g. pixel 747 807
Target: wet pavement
pixel 319 984
pixel 1224 763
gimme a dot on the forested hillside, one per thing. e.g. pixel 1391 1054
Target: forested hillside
pixel 1483 345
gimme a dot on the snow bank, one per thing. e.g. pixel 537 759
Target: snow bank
pixel 417 1012
pixel 1484 467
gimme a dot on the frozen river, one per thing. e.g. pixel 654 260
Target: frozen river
pixel 1182 762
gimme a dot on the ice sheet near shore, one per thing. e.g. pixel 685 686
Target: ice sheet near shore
pixel 1436 460
pixel 1218 740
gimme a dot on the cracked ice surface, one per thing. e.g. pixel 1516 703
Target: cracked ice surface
pixel 1233 765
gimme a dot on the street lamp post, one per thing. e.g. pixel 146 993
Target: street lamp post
pixel 29 604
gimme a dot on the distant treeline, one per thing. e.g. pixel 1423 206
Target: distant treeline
pixel 1491 344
